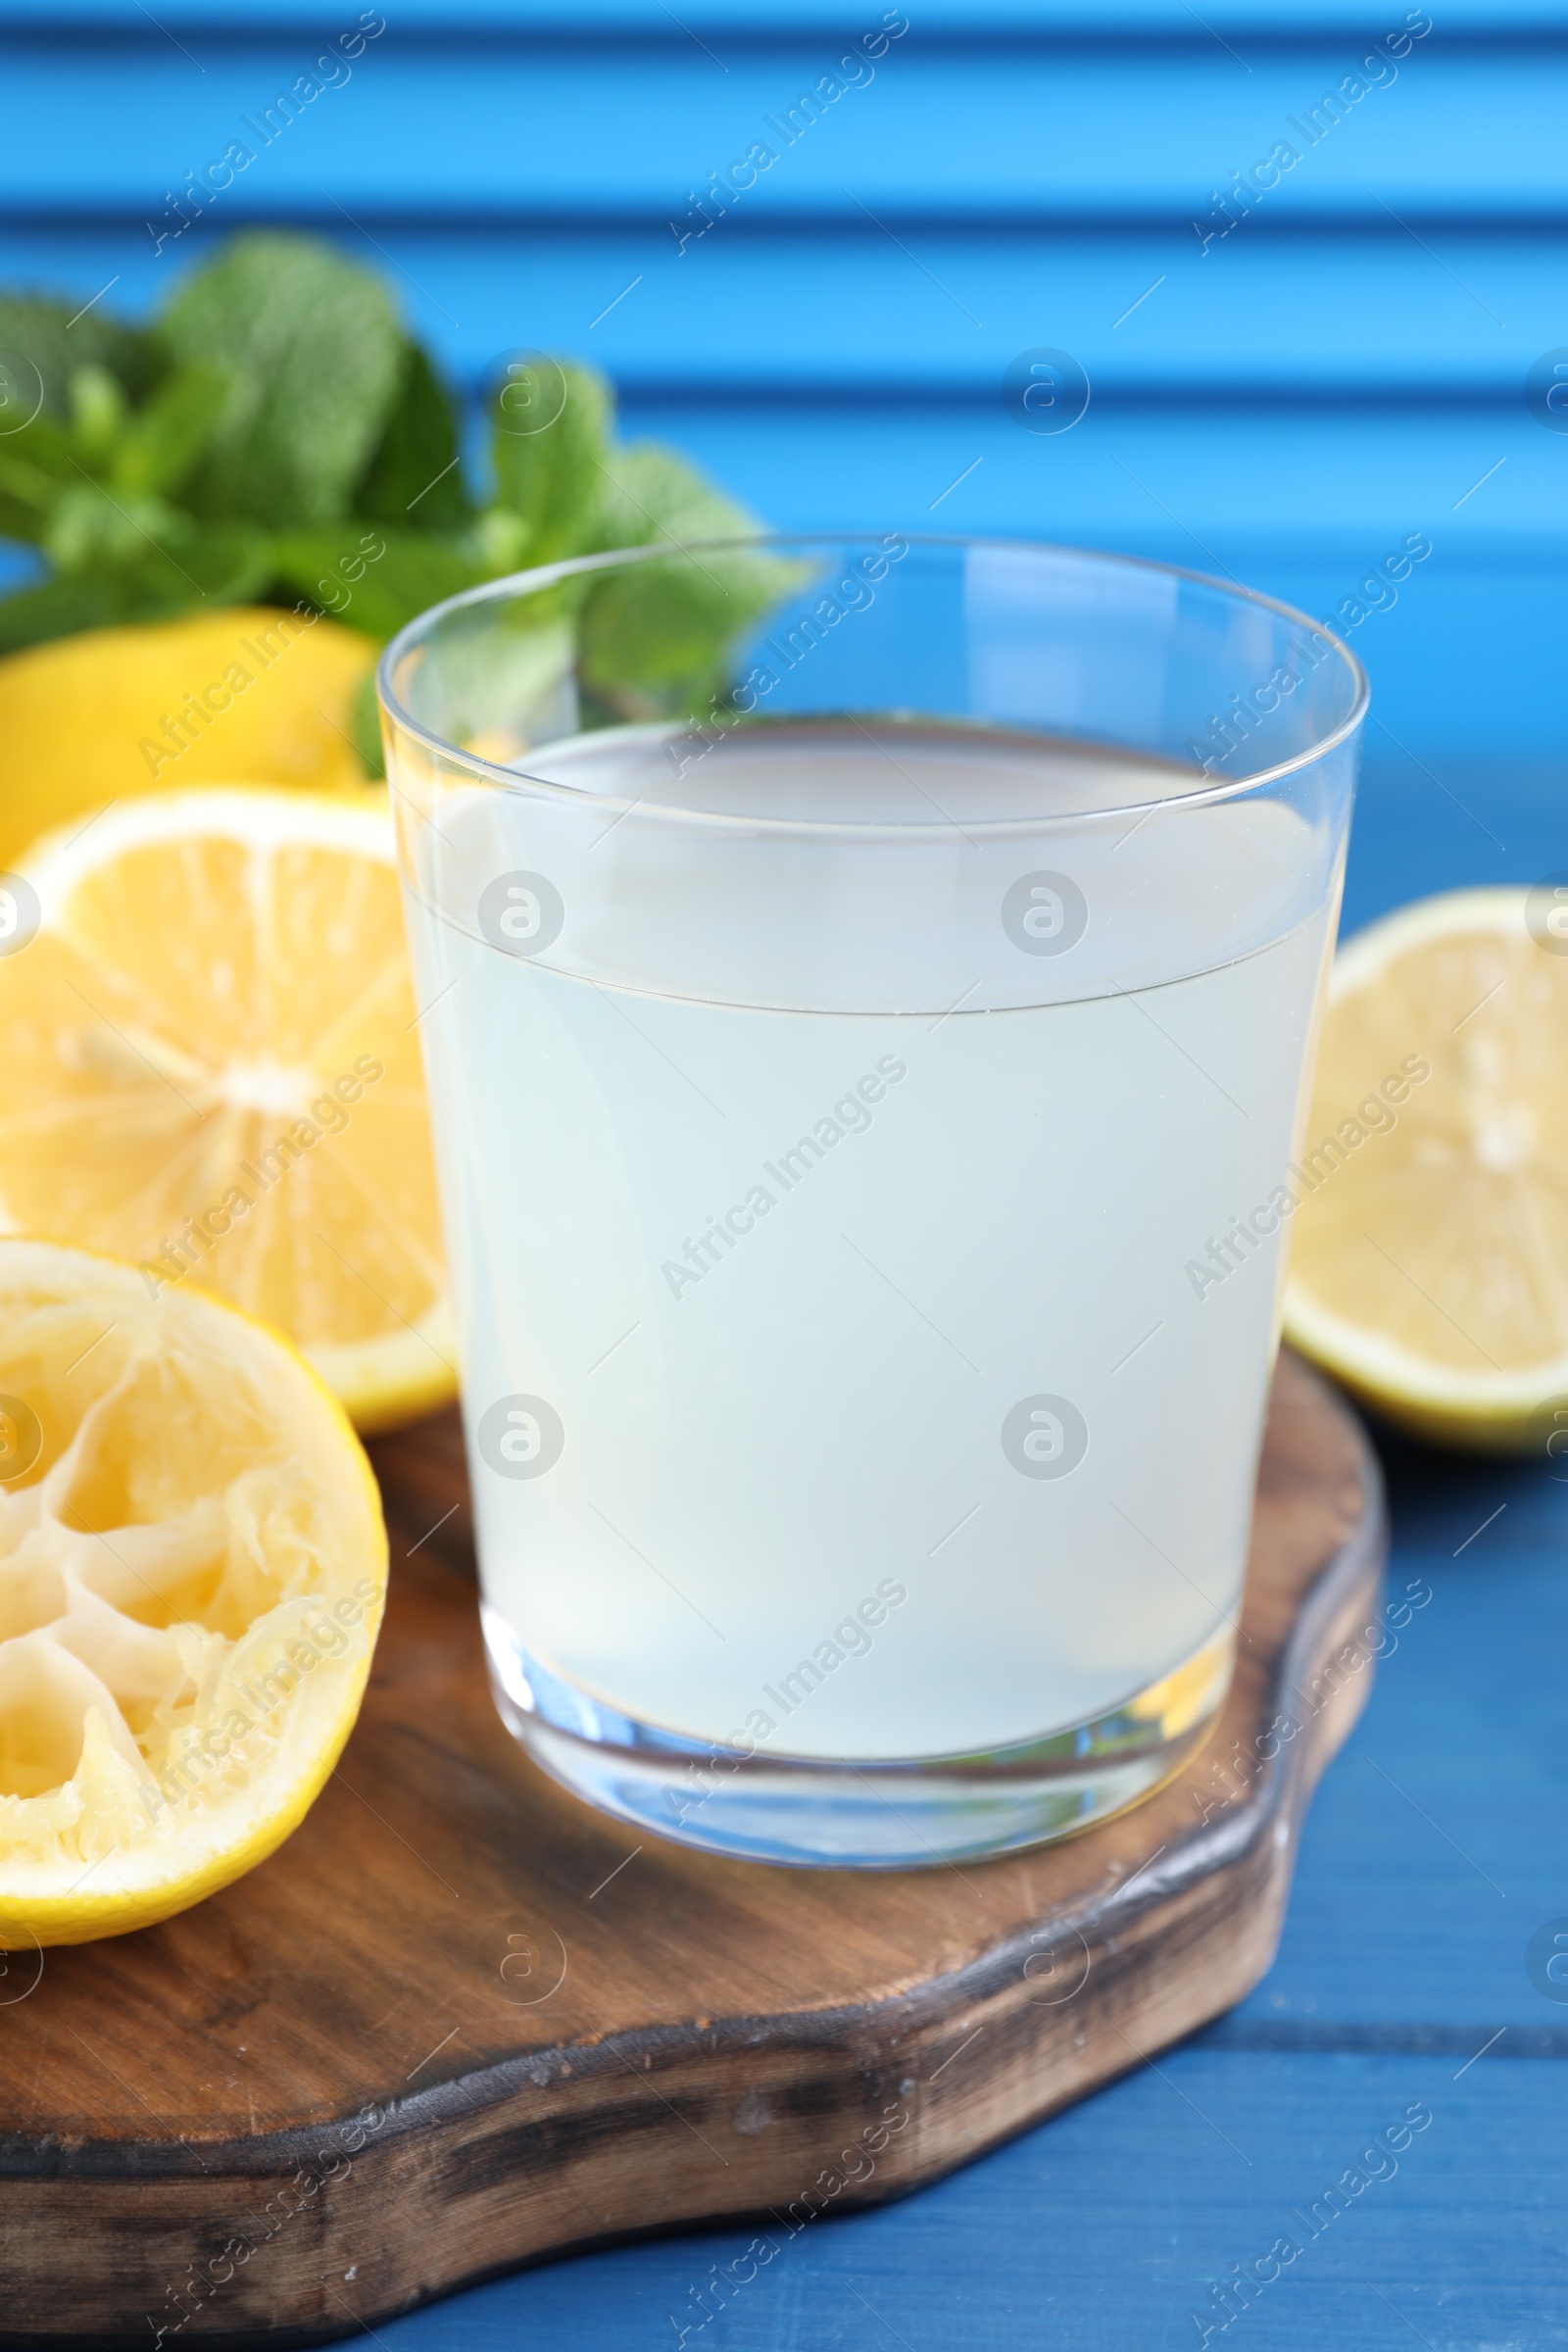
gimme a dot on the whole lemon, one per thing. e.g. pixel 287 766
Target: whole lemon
pixel 239 695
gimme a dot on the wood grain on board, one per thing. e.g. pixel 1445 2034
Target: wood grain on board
pixel 315 2100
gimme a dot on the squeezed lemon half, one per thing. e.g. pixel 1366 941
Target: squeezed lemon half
pixel 192 1569
pixel 1429 1268
pixel 210 1067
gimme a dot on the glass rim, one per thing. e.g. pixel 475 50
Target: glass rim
pixel 535 578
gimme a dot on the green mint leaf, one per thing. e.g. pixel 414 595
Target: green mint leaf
pixel 156 560
pixel 157 451
pixel 657 637
pixel 552 478
pixel 651 493
pixel 56 338
pixel 36 465
pixel 91 530
pixel 374 579
pixel 312 351
pixel 364 725
pixel 502 677
pixel 414 480
pixel 214 563
pixel 57 608
pixel 98 410
pixel 279 434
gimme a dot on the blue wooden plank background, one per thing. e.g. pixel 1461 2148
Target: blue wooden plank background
pixel 1348 364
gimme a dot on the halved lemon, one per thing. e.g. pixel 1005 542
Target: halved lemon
pixel 236 696
pixel 209 1067
pixel 192 1568
pixel 1429 1268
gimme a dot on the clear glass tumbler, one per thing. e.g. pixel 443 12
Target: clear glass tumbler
pixel 866 1070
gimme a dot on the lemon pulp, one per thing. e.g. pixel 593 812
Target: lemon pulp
pixel 209 1067
pixel 192 1567
pixel 1430 1262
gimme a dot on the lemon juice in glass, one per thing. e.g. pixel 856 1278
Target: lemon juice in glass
pixel 842 1079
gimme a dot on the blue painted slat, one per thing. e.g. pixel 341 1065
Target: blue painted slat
pixel 576 130
pixel 1498 22
pixel 940 311
pixel 1467 666
pixel 1440 1840
pixel 1428 821
pixel 1108 2227
pixel 1203 481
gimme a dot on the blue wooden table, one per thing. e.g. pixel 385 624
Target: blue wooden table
pixel 1434 1851
pixel 1284 402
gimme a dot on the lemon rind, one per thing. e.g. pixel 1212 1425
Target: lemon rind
pixel 384 1384
pixel 153 1882
pixel 1490 1411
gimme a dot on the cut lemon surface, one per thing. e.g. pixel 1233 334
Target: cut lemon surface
pixel 1428 1267
pixel 192 1567
pixel 209 1067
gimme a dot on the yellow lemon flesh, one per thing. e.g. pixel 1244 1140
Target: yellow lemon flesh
pixel 241 695
pixel 209 1067
pixel 192 1569
pixel 1428 1269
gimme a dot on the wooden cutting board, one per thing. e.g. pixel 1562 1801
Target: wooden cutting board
pixel 461 2022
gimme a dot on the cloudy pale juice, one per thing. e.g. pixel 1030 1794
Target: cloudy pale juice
pixel 839 1361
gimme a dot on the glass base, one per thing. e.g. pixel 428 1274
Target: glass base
pixel 881 1813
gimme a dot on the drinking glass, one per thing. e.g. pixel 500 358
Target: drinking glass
pixel 867 1069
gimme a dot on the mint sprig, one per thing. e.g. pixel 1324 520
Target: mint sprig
pixel 238 449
